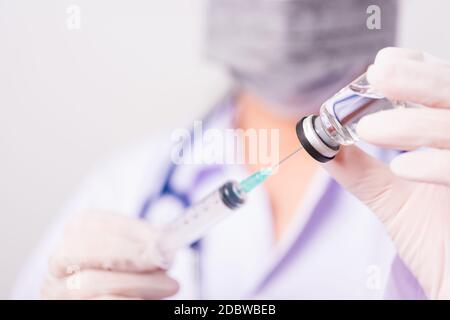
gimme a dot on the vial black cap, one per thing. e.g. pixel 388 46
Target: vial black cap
pixel 307 144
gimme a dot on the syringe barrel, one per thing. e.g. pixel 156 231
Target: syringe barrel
pixel 194 223
pixel 322 135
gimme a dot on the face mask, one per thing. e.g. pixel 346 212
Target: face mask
pixel 296 53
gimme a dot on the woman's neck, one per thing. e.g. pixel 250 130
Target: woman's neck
pixel 287 187
pixel 254 115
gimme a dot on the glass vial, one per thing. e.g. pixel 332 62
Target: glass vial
pixel 322 135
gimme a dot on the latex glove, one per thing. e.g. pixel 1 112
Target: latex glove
pixel 411 197
pixel 107 256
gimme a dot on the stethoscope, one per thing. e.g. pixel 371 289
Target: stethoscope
pixel 167 189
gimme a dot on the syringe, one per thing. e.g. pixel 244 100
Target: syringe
pixel 201 216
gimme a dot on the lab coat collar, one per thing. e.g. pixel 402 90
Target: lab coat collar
pixel 248 256
pixel 241 249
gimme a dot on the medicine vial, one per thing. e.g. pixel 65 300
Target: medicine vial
pixel 322 135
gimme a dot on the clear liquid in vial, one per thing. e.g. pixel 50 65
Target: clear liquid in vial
pixel 341 113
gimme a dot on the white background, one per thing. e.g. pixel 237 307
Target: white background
pixel 70 98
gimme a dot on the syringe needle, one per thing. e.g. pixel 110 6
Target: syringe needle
pixel 286 158
pixel 260 176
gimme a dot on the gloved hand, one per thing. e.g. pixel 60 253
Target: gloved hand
pixel 107 256
pixel 411 196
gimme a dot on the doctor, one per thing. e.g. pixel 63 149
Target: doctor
pixel 386 237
